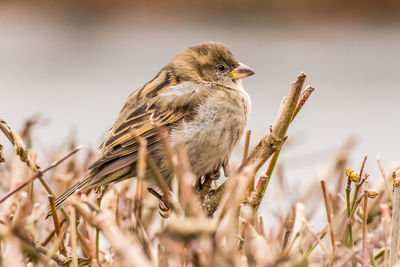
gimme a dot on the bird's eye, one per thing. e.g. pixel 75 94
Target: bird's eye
pixel 221 67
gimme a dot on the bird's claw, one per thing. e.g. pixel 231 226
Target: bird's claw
pixel 164 210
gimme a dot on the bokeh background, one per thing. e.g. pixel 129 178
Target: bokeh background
pixel 75 62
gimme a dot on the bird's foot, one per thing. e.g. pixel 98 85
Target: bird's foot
pixel 164 210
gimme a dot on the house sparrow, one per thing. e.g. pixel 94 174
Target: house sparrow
pixel 198 98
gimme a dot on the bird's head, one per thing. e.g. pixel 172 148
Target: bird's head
pixel 210 62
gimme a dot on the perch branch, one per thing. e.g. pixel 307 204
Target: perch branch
pixel 269 144
pixel 275 139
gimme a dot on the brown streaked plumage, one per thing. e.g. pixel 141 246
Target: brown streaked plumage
pixel 197 97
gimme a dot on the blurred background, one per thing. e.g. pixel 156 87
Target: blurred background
pixel 74 62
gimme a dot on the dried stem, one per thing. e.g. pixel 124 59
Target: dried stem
pixel 384 178
pixel 187 197
pixel 2 158
pixel 180 166
pixel 291 110
pixel 59 259
pixel 97 249
pixel 329 216
pixel 272 142
pixel 37 174
pixel 261 225
pixel 18 144
pixel 364 252
pixel 52 234
pixel 394 240
pixel 159 179
pixel 74 243
pixel 246 145
pixel 269 144
pixel 56 223
pixel 122 245
pixel 303 259
pixel 141 171
pixel 307 224
pixel 245 154
pixel 167 194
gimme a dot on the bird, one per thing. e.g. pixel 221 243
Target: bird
pixel 198 98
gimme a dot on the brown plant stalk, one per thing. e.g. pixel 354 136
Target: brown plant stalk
pixel 268 145
pixel 37 174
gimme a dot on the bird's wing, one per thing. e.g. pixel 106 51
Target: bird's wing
pixel 166 107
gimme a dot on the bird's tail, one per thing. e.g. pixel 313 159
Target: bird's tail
pixel 61 200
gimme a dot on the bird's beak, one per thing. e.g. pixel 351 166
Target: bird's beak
pixel 242 71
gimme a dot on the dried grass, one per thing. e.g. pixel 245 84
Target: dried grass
pixel 205 225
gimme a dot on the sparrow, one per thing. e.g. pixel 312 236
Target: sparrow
pixel 200 101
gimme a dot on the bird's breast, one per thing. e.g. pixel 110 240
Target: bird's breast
pixel 212 131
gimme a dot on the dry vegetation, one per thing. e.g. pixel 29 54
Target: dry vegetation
pixel 201 224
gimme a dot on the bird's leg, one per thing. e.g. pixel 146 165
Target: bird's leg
pixel 164 209
pixel 100 191
pixel 208 178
